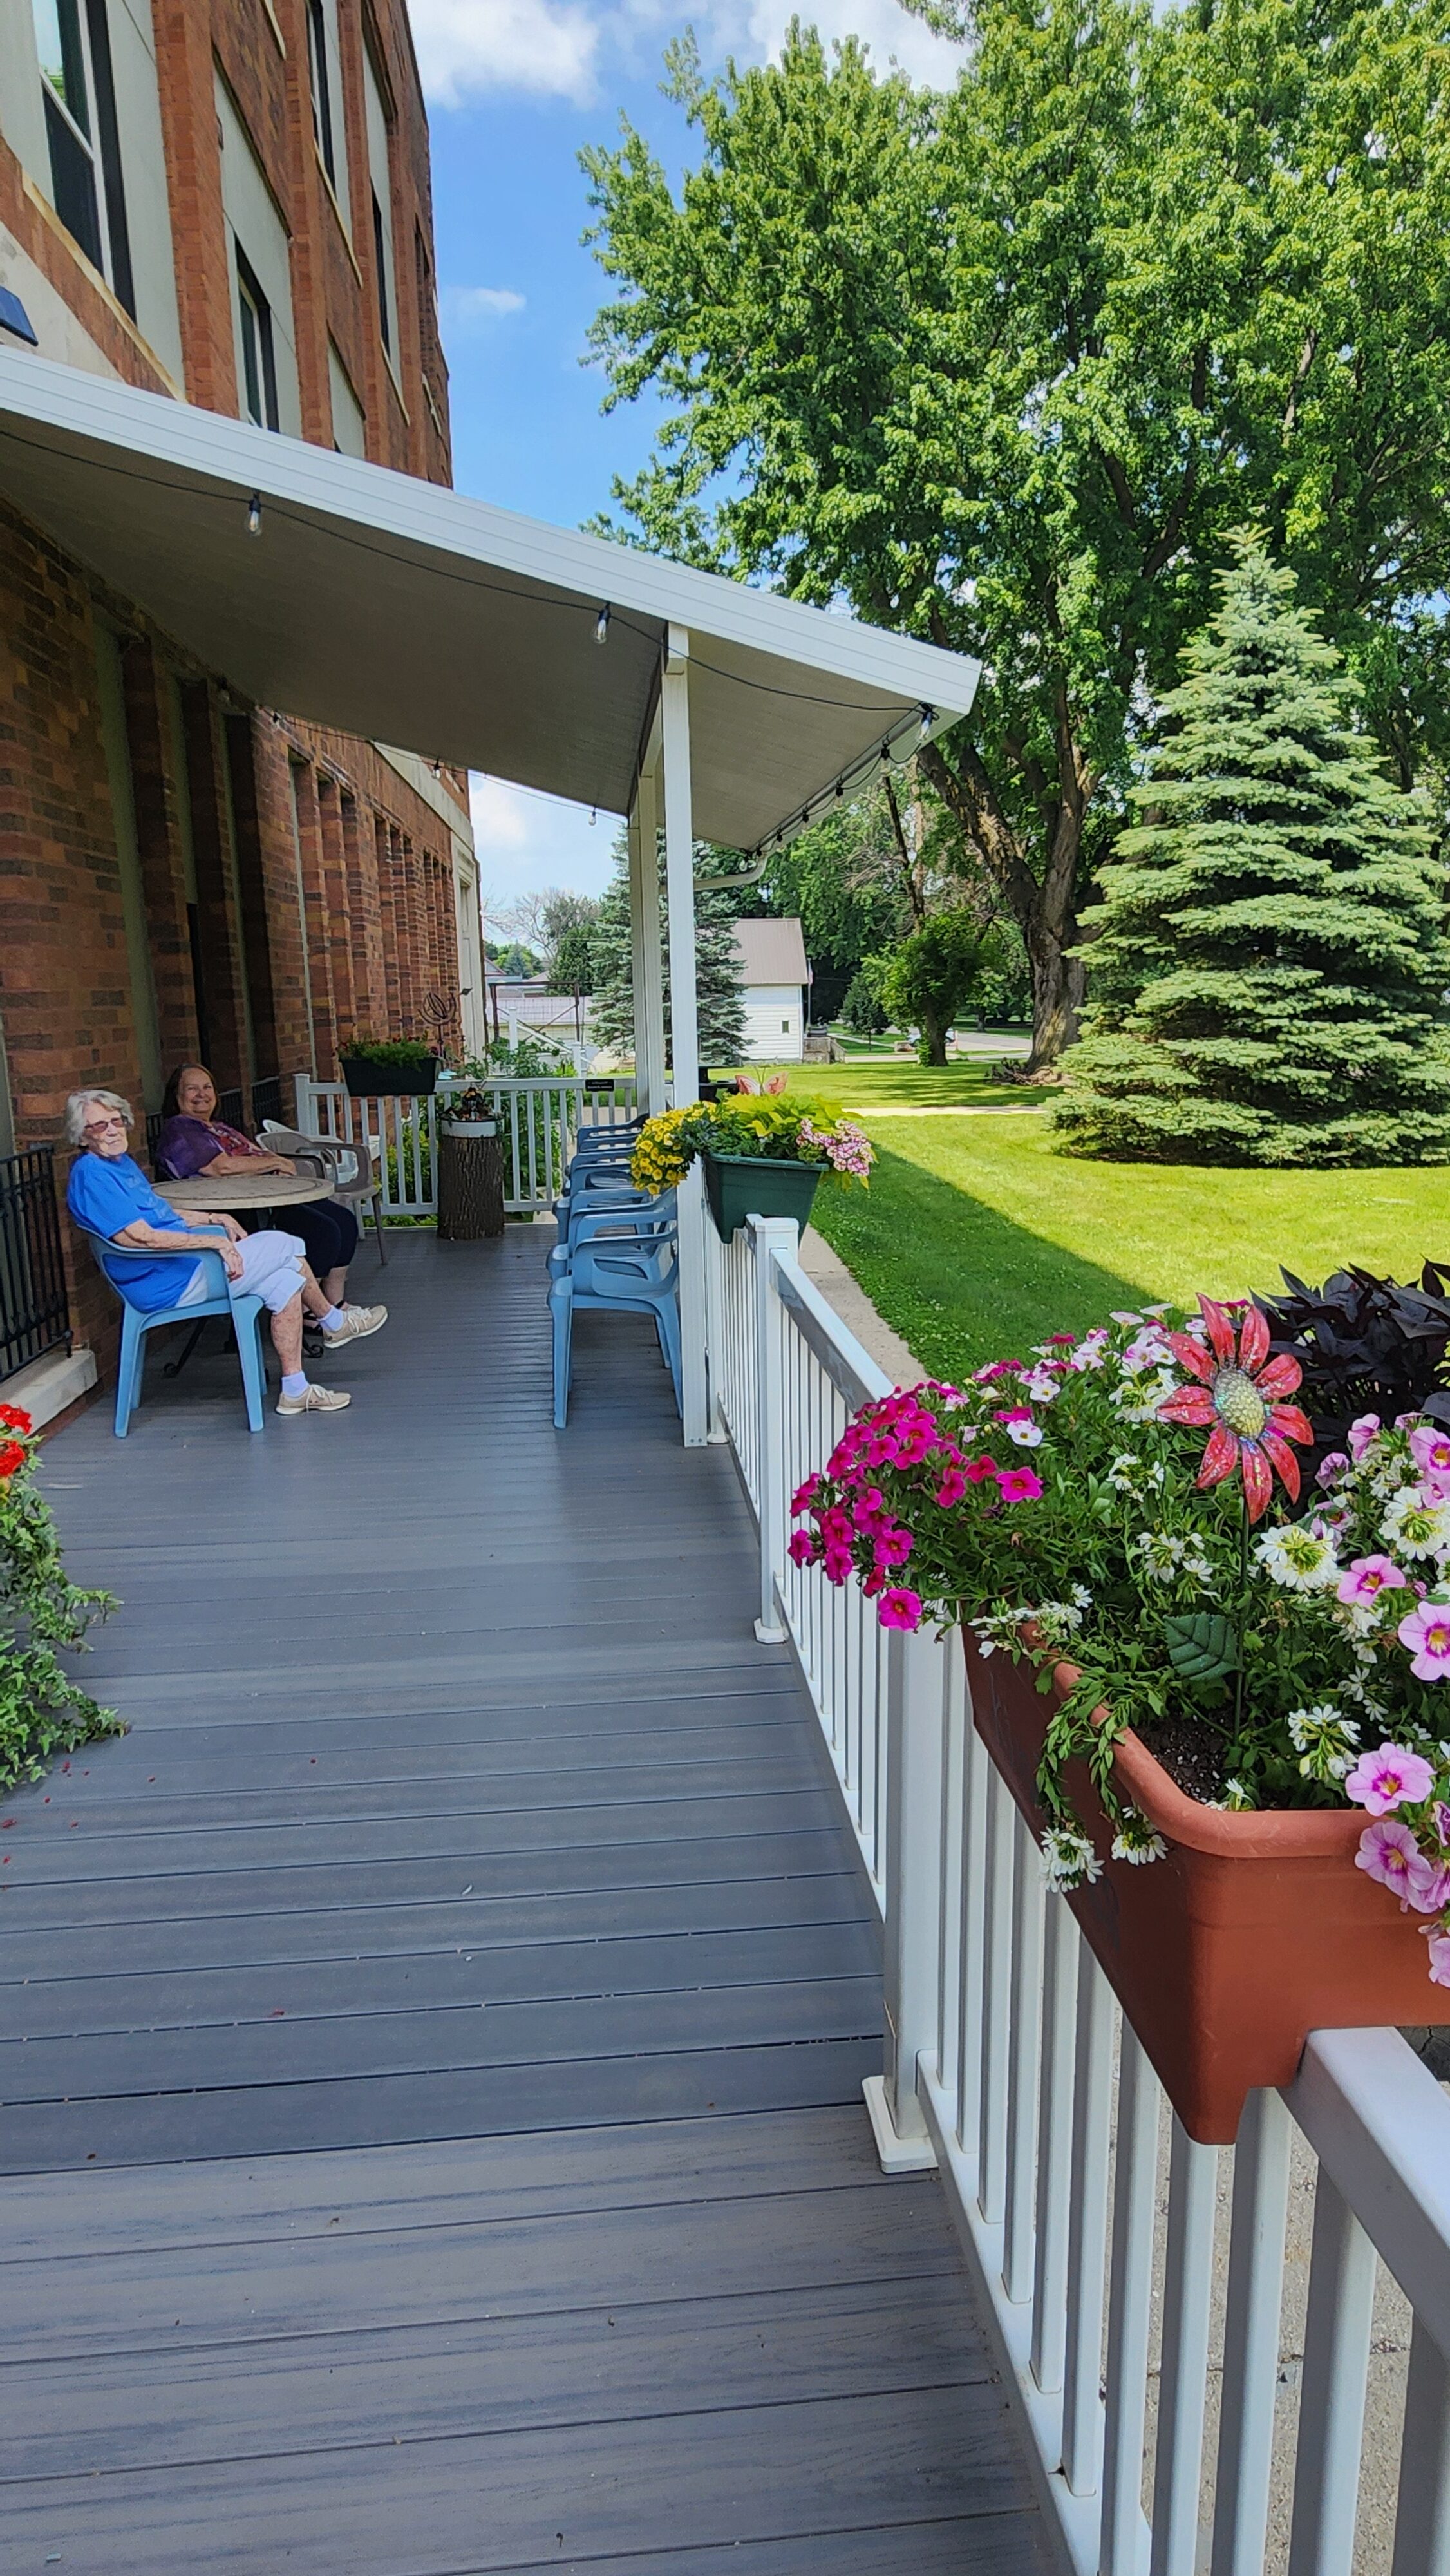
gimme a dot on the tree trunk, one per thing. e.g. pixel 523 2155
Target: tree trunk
pixel 1042 907
pixel 935 1029
pixel 1057 989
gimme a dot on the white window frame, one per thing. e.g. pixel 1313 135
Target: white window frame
pixel 90 143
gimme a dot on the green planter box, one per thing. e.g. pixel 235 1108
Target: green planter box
pixel 742 1185
pixel 368 1078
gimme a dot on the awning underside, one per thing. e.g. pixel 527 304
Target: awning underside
pixel 402 613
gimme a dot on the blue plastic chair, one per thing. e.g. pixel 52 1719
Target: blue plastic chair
pixel 137 1322
pixel 615 1269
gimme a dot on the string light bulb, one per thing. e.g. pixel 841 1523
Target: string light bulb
pixel 601 625
pixel 254 515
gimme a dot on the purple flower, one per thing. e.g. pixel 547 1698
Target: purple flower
pixel 1330 1469
pixel 1382 1781
pixel 1389 1852
pixel 1367 1578
pixel 1439 1940
pixel 1426 1632
pixel 1430 1449
pixel 1363 1430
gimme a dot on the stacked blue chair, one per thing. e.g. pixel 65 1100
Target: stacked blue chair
pixel 618 1260
pixel 245 1313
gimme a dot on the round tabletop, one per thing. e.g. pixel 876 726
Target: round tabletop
pixel 238 1192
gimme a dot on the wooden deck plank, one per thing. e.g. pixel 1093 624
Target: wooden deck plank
pixel 431 2042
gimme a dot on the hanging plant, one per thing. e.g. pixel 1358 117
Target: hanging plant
pixel 42 1615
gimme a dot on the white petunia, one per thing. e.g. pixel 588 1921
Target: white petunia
pixel 1415 1526
pixel 1296 1558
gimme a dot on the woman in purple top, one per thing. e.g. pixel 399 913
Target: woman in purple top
pixel 195 1140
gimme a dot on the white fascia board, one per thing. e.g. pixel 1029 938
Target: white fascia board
pixel 429 515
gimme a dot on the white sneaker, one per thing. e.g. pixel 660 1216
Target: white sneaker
pixel 314 1399
pixel 357 1323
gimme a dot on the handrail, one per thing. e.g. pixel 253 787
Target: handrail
pixel 1008 2067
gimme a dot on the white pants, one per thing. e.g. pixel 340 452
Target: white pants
pixel 271 1269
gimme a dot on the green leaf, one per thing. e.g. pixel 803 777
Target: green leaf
pixel 1201 1646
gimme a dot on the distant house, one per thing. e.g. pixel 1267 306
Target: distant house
pixel 775 981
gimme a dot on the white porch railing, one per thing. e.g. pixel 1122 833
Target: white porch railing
pixel 538 1120
pixel 1197 2337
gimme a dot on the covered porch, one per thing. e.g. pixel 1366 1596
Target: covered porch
pixel 434 2036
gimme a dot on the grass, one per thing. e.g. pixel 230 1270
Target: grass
pixel 878 1083
pixel 975 1239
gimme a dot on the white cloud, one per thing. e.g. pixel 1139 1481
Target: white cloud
pixel 469 47
pixel 526 842
pixel 467 311
pixel 553 48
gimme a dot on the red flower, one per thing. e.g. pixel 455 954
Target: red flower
pixel 13 1418
pixel 1238 1398
pixel 11 1457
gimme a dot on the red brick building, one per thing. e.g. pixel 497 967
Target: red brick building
pixel 225 202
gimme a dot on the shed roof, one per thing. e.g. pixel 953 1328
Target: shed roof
pixel 396 609
pixel 772 952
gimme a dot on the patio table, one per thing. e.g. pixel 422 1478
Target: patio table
pixel 240 1193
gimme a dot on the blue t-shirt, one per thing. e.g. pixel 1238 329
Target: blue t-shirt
pixel 105 1197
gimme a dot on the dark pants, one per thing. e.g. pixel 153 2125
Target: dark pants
pixel 328 1228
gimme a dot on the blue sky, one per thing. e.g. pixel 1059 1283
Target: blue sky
pixel 515 87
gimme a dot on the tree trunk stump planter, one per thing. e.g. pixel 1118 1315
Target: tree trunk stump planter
pixel 742 1185
pixel 1253 1931
pixel 369 1078
pixel 470 1181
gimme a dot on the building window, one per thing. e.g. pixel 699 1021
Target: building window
pixel 381 256
pixel 321 87
pixel 74 48
pixel 259 365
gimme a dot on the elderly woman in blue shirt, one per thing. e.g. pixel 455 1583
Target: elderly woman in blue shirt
pixel 109 1194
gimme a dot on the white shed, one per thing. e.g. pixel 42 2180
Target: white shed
pixel 774 979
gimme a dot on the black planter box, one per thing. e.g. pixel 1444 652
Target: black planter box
pixel 369 1079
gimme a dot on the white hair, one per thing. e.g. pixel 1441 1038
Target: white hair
pixel 80 1101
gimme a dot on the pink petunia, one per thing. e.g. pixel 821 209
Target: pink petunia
pixel 893 1547
pixel 951 1489
pixel 838 1564
pixel 1389 1852
pixel 900 1608
pixel 1430 1449
pixel 1362 1431
pixel 1426 1632
pixel 1439 1940
pixel 804 1495
pixel 1367 1578
pixel 1019 1485
pixel 1383 1780
pixel 977 1470
pixel 802 1549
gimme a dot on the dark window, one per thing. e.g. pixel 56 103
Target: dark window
pixel 74 50
pixel 321 88
pixel 259 366
pixel 379 255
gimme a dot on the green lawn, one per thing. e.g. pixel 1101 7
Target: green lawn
pixel 975 1239
pixel 882 1082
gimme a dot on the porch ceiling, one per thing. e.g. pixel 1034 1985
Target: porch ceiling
pixel 398 610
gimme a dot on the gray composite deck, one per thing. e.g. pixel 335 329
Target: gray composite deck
pixel 432 2039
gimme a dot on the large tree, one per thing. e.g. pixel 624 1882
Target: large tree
pixel 1267 967
pixel 1001 368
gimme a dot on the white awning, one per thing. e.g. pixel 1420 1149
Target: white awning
pixel 397 610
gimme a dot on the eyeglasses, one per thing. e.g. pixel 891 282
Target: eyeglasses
pixel 103 1126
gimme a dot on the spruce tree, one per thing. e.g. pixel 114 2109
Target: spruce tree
pixel 717 964
pixel 1267 966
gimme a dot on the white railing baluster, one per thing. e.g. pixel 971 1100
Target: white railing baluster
pixel 1092 2111
pixel 1251 2337
pixel 1020 2209
pixel 1054 2145
pixel 949 1868
pixel 1422 2524
pixel 1342 2271
pixel 1135 2189
pixel 996 1989
pixel 1183 2381
pixel 972 1939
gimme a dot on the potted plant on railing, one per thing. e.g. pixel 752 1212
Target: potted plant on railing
pixel 764 1152
pixel 1219 1701
pixel 389 1068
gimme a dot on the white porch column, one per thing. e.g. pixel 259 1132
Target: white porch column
pixel 644 907
pixel 684 1022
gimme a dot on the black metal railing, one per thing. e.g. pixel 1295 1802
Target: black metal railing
pixel 34 1311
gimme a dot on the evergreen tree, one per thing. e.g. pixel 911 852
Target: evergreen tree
pixel 717 964
pixel 1267 966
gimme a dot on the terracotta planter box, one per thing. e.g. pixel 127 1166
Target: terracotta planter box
pixel 1255 1930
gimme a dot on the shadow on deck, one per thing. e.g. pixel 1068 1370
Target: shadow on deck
pixel 433 2038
